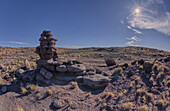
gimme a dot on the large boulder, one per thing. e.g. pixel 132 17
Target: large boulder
pixel 110 62
pixel 77 68
pixel 96 81
pixel 61 68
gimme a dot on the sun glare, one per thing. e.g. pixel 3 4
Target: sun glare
pixel 137 10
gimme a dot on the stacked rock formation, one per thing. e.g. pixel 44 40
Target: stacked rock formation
pixel 52 70
pixel 47 51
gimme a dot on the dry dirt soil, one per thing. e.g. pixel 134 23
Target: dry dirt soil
pixel 133 90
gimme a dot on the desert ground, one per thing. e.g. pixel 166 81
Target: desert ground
pixel 139 81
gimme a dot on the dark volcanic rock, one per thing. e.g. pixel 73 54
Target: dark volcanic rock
pixel 167 59
pixel 110 62
pixel 29 75
pixel 147 67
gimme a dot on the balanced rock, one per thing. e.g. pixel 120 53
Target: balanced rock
pixel 110 62
pixel 96 81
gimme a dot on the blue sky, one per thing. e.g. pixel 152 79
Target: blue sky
pixel 86 23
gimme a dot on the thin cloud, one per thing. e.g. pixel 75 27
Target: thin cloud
pixel 15 42
pixel 132 41
pixel 153 15
pixel 135 30
pixel 122 22
pixel 134 38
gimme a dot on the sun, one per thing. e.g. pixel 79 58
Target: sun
pixel 137 10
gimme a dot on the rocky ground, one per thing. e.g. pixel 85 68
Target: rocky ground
pixel 135 79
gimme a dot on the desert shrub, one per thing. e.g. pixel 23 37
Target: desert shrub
pixel 117 70
pixel 109 94
pixel 1 81
pixel 120 94
pixel 159 75
pixel 162 102
pixel 32 87
pixel 131 84
pixel 137 79
pixel 148 95
pixel 24 90
pixel 19 108
pixel 143 108
pixel 89 94
pixel 151 79
pixel 140 91
pixel 49 92
pixel 99 100
pixel 127 105
pixel 125 91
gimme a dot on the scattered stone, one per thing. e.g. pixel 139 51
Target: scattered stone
pixel 105 74
pixel 61 68
pixel 130 73
pixel 76 68
pixel 125 65
pixel 48 75
pixel 167 59
pixel 147 67
pixel 1 66
pixel 58 103
pixel 134 62
pixel 96 81
pixel 98 71
pixel 115 76
pixel 20 71
pixel 110 62
pixel 74 105
pixel 141 62
pixel 4 89
pixel 27 64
